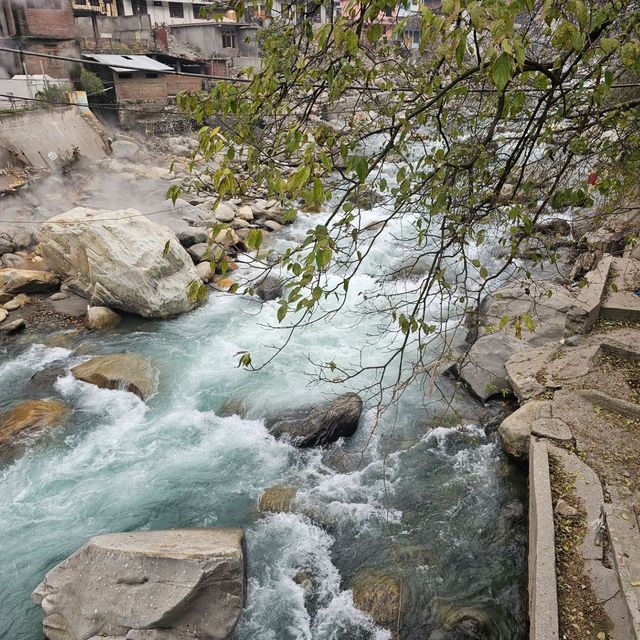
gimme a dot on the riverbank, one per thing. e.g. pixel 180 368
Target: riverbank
pixel 574 369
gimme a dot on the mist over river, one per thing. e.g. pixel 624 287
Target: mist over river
pixel 423 497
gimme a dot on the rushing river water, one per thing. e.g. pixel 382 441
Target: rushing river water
pixel 433 502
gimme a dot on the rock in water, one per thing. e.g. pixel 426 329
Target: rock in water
pixel 28 281
pixel 382 596
pixel 120 259
pixel 269 288
pixel 148 585
pixel 319 425
pixel 277 499
pixel 101 318
pixel 118 371
pixel 30 416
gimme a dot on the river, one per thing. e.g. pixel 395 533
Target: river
pixel 432 501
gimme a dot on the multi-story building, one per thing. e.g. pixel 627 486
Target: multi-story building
pixel 41 26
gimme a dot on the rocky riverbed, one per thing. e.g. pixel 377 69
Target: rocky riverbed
pixel 355 527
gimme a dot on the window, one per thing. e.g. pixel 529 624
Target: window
pixel 44 4
pixel 139 7
pixel 388 12
pixel 176 10
pixel 157 3
pixel 94 3
pixel 80 1
pixel 229 39
pixel 200 12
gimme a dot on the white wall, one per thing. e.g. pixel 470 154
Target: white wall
pixel 160 14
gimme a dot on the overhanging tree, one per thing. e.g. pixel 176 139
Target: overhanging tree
pixel 512 110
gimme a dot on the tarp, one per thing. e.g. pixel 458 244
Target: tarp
pixel 141 63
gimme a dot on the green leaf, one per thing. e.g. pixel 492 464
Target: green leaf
pixel 282 311
pixel 253 239
pixel 361 167
pixel 501 71
pixel 167 246
pixel 374 32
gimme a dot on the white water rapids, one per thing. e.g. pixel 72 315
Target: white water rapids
pixel 430 501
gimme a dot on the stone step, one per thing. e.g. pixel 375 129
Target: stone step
pixel 622 525
pixel 620 302
pixel 590 296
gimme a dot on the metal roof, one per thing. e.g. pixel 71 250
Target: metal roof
pixel 125 64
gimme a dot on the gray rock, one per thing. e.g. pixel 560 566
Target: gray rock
pixel 12 261
pixel 101 318
pixel 61 295
pixel 6 244
pixel 3 314
pixel 205 272
pixel 43 380
pixel 200 252
pixel 224 212
pixel 72 305
pixel 124 149
pixel 28 281
pixel 483 367
pixel 272 225
pixel 318 425
pixel 565 510
pixel 193 235
pixel 180 584
pixel 269 288
pixel 15 326
pixel 515 430
pixel 121 260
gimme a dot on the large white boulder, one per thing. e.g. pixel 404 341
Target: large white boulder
pixel 177 584
pixel 120 259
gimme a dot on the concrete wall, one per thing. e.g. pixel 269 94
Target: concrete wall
pixel 51 67
pixel 209 39
pixel 24 89
pixel 132 31
pixel 40 138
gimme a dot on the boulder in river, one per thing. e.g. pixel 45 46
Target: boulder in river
pixel 120 259
pixel 28 281
pixel 125 371
pixel 381 595
pixel 30 416
pixel 269 288
pixel 101 318
pixel 181 584
pixel 483 367
pixel 318 425
pixel 277 499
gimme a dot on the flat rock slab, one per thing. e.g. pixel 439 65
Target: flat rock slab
pixel 73 305
pixel 124 371
pixel 621 302
pixel 482 368
pixel 28 281
pixel 30 416
pixel 148 585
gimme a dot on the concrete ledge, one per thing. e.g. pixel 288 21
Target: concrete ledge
pixel 622 526
pixel 543 594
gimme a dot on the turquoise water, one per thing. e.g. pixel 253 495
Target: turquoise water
pixel 429 500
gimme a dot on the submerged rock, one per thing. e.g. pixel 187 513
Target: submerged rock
pixel 380 595
pixel 178 584
pixel 277 499
pixel 31 416
pixel 28 281
pixel 318 425
pixel 120 259
pixel 118 371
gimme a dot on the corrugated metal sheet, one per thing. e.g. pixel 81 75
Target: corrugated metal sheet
pixel 141 63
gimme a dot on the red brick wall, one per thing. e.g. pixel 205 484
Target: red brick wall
pixel 175 84
pixel 53 68
pixel 48 23
pixel 139 88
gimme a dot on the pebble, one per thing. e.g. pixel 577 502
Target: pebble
pixel 61 295
pixel 573 341
pixel 565 510
pixel 3 314
pixel 14 327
